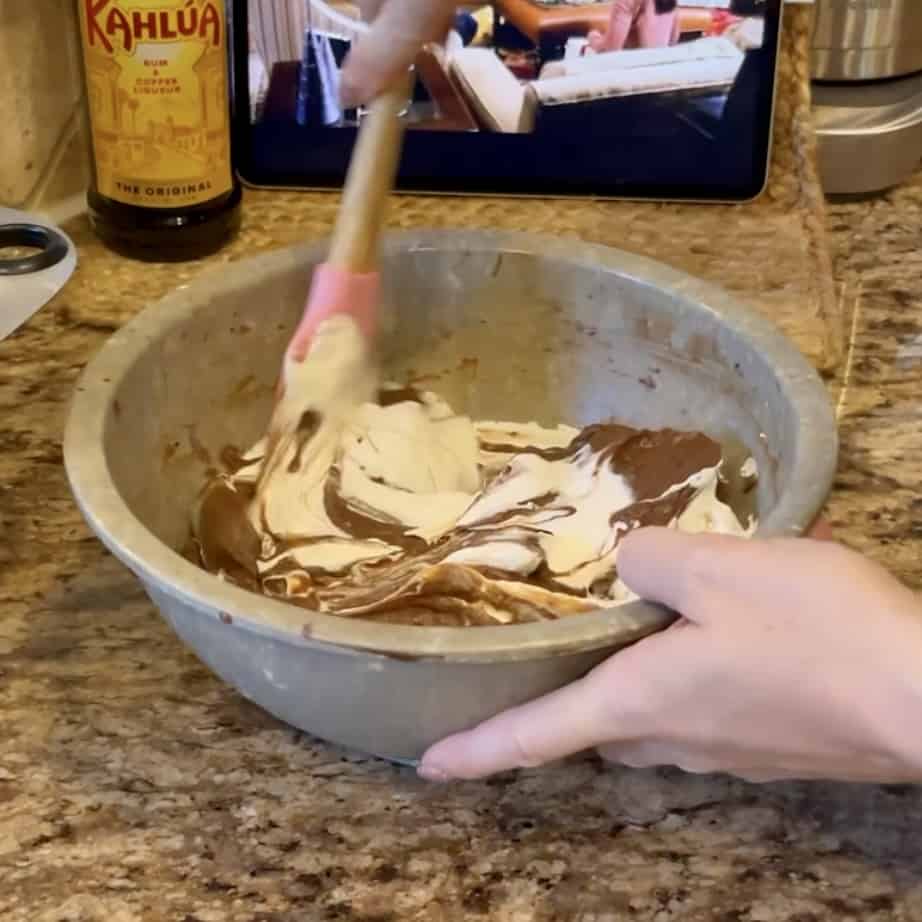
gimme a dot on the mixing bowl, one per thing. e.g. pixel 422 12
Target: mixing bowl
pixel 510 327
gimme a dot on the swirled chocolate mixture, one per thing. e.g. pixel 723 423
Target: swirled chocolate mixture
pixel 404 511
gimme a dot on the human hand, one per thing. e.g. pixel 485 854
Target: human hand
pixel 399 29
pixel 795 658
pixel 595 40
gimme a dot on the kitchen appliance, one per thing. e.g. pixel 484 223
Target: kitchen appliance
pixel 609 334
pixel 867 92
pixel 43 259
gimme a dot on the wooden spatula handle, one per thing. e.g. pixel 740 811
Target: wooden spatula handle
pixel 369 181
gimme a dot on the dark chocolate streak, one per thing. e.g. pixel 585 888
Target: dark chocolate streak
pixel 532 505
pixel 308 425
pixel 654 512
pixel 227 539
pixel 351 518
pixel 390 396
pixel 414 584
pixel 232 459
pixel 650 461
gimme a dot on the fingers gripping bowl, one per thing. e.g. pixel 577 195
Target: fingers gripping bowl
pixel 504 327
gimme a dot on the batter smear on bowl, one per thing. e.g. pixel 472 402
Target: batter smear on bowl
pixel 399 509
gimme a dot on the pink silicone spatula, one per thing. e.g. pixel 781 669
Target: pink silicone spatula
pixel 348 281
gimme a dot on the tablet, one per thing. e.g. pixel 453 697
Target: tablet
pixel 650 99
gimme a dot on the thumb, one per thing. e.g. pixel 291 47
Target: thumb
pixel 564 722
pixel 675 569
pixel 369 9
pixel 389 48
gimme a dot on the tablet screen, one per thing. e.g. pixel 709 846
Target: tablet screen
pixel 663 99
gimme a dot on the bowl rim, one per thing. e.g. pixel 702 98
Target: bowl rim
pixel 165 571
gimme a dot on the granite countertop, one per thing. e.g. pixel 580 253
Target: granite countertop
pixel 135 786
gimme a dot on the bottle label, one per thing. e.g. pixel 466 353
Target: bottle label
pixel 156 75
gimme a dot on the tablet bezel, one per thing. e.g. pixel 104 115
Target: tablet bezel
pixel 433 149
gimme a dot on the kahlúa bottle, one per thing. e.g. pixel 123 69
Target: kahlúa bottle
pixel 157 97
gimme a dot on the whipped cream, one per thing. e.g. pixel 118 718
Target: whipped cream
pixel 404 510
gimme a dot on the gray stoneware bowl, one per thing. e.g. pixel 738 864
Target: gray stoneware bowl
pixel 507 327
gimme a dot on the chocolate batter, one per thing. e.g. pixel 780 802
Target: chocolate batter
pixel 405 512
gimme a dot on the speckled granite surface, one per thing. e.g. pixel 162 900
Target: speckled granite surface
pixel 134 786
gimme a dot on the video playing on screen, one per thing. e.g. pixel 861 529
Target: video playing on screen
pixel 683 70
